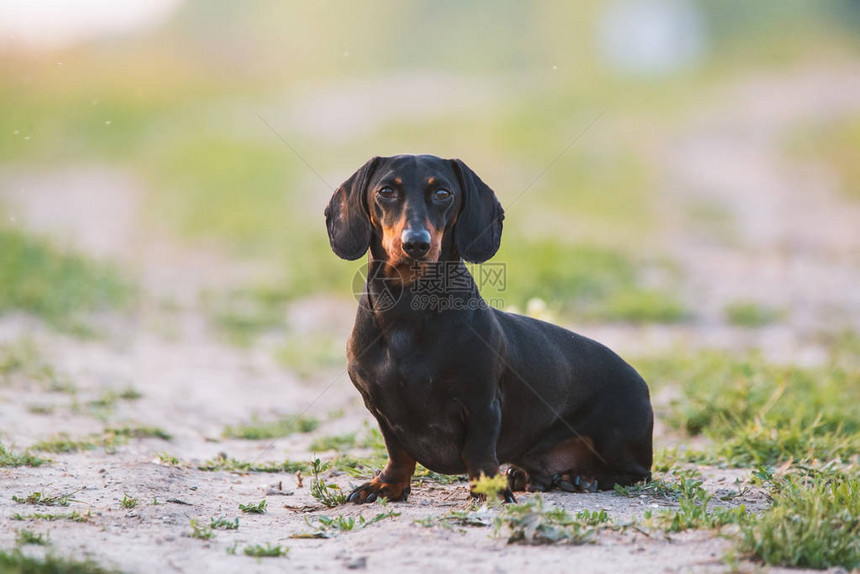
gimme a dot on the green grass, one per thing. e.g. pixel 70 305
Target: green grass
pixel 128 501
pixel 358 467
pixel 166 458
pixel 842 346
pixel 759 413
pixel 267 551
pixel 367 466
pixel 40 498
pixel 129 394
pixel 109 439
pixel 241 466
pixel 16 562
pixel 138 432
pixel 278 428
pixel 586 280
pixel 329 526
pixel 24 537
pixel 251 508
pixel 326 494
pixel 223 523
pixel 61 288
pixel 200 531
pixel 570 275
pixel 105 402
pixel 761 443
pixel 694 511
pixel 339 443
pixel 423 473
pixel 814 522
pixel 645 306
pixel 9 458
pixel 664 485
pixel 62 444
pixel 751 314
pixel 531 522
pixel 223 188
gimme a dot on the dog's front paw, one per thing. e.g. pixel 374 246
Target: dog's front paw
pixel 518 479
pixel 379 488
pixel 506 495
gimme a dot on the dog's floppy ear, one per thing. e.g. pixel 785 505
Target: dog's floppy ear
pixel 478 230
pixel 346 216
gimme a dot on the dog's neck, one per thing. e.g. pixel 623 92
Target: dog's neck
pixel 423 289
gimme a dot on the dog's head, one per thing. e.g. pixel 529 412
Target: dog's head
pixel 412 209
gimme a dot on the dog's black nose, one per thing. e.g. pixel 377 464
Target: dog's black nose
pixel 416 242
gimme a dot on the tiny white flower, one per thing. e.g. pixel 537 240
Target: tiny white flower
pixel 535 306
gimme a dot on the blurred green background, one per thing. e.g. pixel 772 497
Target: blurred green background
pixel 223 113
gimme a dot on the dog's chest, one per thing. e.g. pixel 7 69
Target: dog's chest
pixel 418 403
pixel 414 381
pixel 404 364
pixel 401 343
pixel 404 371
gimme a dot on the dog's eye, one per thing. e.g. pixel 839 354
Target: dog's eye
pixel 442 194
pixel 386 193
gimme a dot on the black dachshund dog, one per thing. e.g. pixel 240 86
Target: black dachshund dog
pixel 458 385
